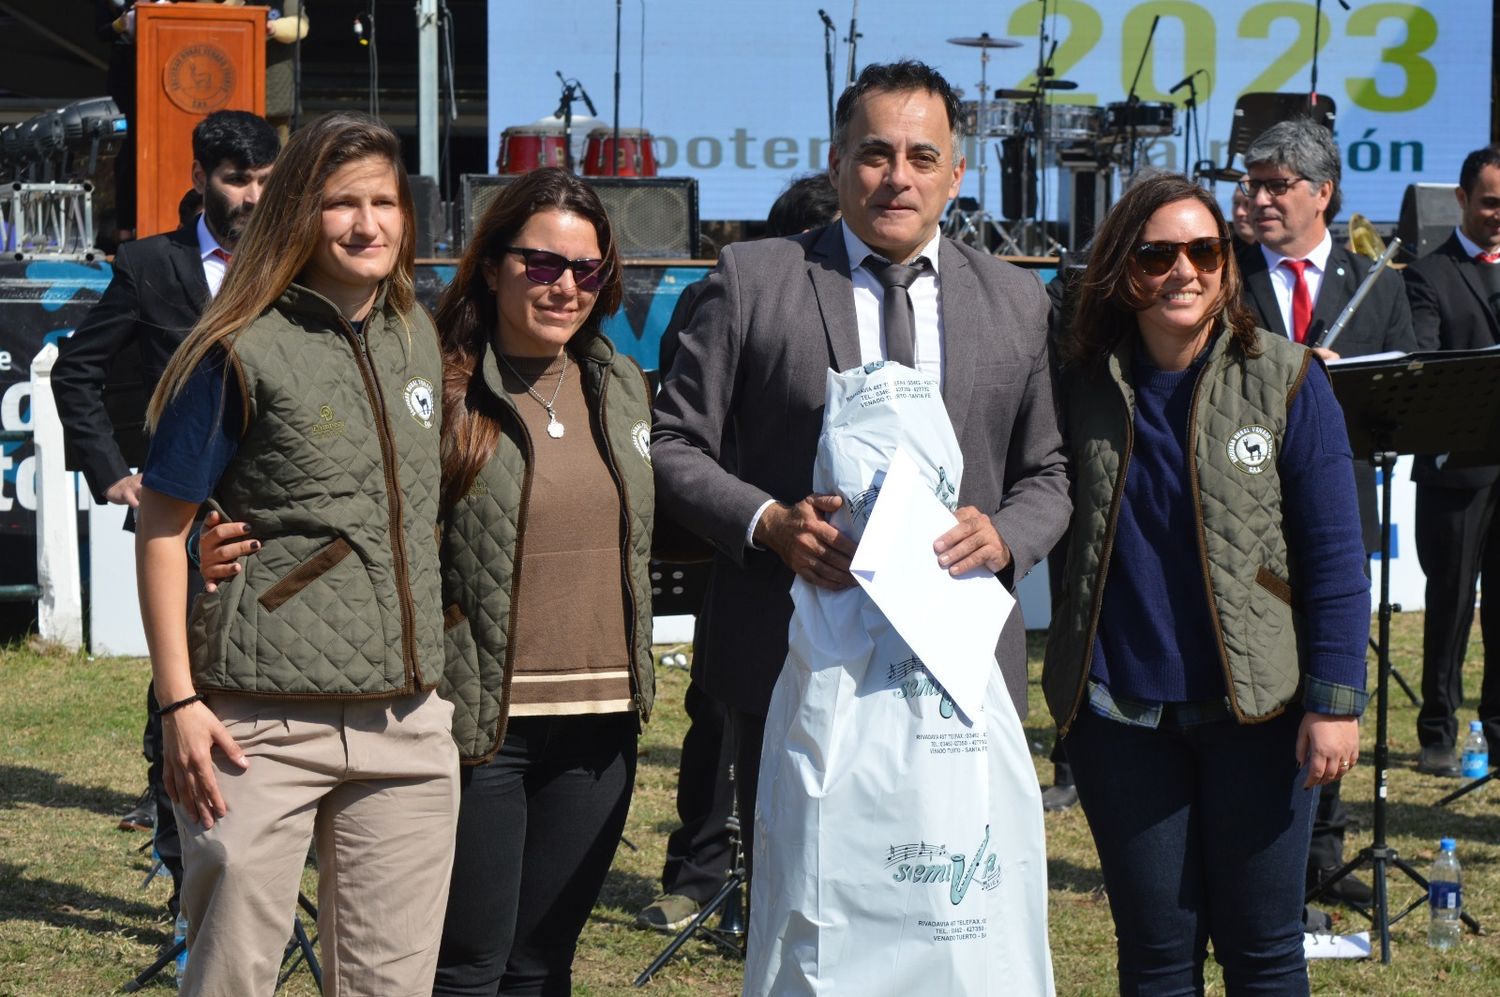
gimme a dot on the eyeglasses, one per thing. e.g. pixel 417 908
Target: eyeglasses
pixel 1157 258
pixel 1275 186
pixel 544 267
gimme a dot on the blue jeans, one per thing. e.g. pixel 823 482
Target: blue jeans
pixel 1202 833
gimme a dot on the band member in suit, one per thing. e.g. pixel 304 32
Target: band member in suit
pixel 1453 293
pixel 159 288
pixel 1296 284
pixel 776 315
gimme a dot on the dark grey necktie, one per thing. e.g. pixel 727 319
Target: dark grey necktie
pixel 895 308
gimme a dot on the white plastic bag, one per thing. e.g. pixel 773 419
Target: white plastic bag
pixel 899 848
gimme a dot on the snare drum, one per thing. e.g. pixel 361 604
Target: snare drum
pixel 530 147
pixel 1151 119
pixel 1002 118
pixel 634 158
pixel 1074 123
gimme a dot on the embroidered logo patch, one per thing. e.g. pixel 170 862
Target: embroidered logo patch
pixel 640 435
pixel 419 401
pixel 327 425
pixel 1250 448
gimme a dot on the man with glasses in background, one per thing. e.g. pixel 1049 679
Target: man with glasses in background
pixel 1297 281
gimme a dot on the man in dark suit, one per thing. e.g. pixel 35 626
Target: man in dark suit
pixel 159 288
pixel 777 315
pixel 1297 282
pixel 1454 293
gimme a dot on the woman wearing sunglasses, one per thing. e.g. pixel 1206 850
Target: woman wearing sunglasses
pixel 1206 664
pixel 548 499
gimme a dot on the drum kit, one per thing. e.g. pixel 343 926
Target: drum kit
pixel 1087 144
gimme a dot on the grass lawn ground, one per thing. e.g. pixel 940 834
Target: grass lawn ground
pixel 75 921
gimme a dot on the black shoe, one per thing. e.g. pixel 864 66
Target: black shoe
pixel 1438 760
pixel 1347 890
pixel 1055 798
pixel 143 816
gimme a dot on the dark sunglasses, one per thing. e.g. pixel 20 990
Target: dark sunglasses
pixel 1156 258
pixel 1275 186
pixel 543 267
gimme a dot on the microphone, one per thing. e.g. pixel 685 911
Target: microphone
pixel 588 103
pixel 1185 81
pixel 827 21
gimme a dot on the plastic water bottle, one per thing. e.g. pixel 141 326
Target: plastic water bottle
pixel 1476 754
pixel 1445 898
pixel 179 934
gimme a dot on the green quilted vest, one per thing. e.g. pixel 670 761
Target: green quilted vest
pixel 481 541
pixel 337 473
pixel 1235 425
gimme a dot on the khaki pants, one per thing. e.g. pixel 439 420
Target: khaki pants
pixel 377 782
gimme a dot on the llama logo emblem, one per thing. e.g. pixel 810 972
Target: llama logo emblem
pixel 1250 448
pixel 420 402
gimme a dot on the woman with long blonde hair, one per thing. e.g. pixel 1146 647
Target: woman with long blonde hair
pixel 299 701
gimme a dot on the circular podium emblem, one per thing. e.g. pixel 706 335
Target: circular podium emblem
pixel 199 79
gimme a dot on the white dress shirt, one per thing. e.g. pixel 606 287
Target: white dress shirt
pixel 1283 280
pixel 1470 246
pixel 214 265
pixel 869 294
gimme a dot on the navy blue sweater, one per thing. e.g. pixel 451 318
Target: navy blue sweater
pixel 1155 642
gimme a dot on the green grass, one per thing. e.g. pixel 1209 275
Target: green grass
pixel 74 920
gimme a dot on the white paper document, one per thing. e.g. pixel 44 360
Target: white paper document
pixel 1320 945
pixel 953 624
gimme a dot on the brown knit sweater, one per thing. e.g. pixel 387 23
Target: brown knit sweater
pixel 571 652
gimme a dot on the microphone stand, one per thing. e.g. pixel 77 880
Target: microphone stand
pixel 572 90
pixel 829 31
pixel 1132 101
pixel 853 41
pixel 1312 94
pixel 614 159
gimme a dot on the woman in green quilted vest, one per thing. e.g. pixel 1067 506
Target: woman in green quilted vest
pixel 300 701
pixel 1206 663
pixel 548 498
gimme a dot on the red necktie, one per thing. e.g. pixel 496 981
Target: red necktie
pixel 1301 300
pixel 1484 257
pixel 219 252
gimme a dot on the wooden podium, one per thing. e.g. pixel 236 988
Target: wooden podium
pixel 191 59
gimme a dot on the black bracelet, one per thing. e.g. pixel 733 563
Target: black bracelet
pixel 196 697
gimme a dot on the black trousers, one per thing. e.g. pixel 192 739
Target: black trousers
pixel 748 731
pixel 698 852
pixel 168 844
pixel 537 830
pixel 1458 542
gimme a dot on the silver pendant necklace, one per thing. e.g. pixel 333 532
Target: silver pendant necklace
pixel 555 428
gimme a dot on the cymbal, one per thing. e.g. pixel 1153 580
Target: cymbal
pixel 1014 94
pixel 1059 85
pixel 985 41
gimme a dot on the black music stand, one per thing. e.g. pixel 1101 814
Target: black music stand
pixel 298 948
pixel 1255 112
pixel 1423 403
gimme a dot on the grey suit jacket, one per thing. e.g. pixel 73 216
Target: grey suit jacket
pixel 773 318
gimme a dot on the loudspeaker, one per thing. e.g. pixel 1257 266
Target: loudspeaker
pixel 1429 214
pixel 426 198
pixel 652 217
pixel 1017 168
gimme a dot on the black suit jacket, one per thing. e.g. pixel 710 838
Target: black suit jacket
pixel 107 370
pixel 1382 325
pixel 751 368
pixel 1451 311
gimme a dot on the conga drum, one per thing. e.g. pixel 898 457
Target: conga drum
pixel 635 156
pixel 524 148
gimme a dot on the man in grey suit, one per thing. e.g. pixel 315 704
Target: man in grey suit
pixel 777 315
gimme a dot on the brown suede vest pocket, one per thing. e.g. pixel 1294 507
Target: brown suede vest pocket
pixel 1274 585
pixel 305 574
